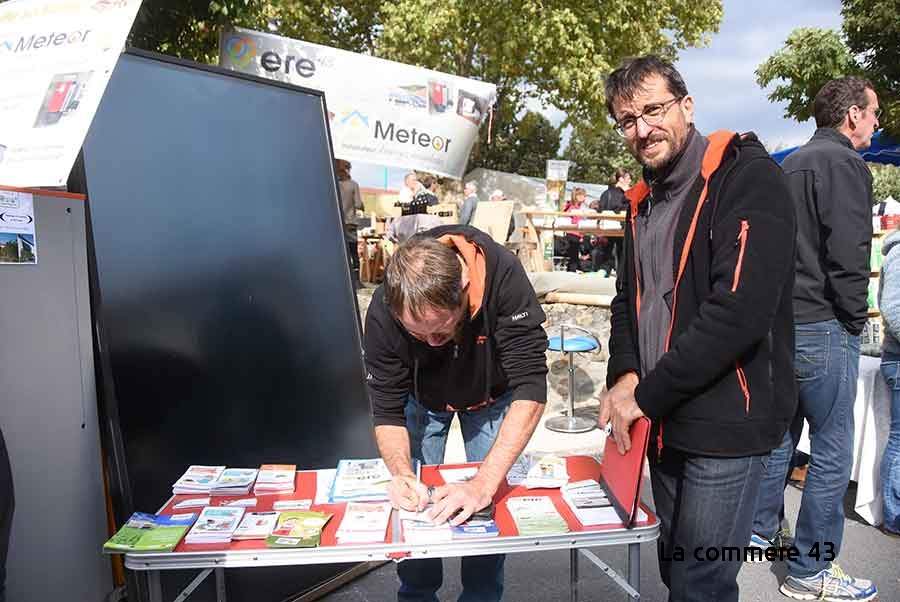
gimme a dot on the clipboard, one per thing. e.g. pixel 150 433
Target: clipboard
pixel 622 475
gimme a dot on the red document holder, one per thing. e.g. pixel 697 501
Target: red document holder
pixel 622 474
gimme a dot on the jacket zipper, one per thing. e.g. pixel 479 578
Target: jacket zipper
pixel 742 241
pixel 745 386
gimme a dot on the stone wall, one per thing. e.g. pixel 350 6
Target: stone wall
pixel 590 368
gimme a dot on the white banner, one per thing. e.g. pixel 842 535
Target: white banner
pixel 379 111
pixel 56 57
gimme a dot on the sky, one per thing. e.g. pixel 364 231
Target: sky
pixel 719 76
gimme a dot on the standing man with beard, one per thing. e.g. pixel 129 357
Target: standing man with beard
pixel 701 329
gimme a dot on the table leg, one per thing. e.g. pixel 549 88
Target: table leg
pixel 634 566
pixel 154 586
pixel 573 575
pixel 220 585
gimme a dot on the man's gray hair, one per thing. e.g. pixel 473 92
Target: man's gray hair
pixel 837 96
pixel 423 273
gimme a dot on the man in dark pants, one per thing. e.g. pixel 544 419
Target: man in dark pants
pixel 7 505
pixel 701 326
pixel 832 192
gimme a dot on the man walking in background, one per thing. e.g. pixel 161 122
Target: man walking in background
pixel 832 192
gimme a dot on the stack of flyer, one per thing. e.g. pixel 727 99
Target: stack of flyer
pixel 256 525
pixel 360 481
pixel 215 525
pixel 364 522
pixel 275 478
pixel 234 481
pixel 419 528
pixel 589 503
pixel 536 516
pixel 298 529
pixel 198 479
pixel 150 533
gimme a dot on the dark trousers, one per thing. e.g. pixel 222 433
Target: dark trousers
pixel 7 504
pixel 353 256
pixel 706 503
pixel 573 252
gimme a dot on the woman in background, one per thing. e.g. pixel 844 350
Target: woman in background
pixel 573 248
pixel 889 303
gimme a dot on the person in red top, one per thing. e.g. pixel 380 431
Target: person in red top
pixel 576 204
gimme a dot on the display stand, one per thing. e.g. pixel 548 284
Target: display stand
pixel 225 318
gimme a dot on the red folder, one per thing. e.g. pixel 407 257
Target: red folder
pixel 622 474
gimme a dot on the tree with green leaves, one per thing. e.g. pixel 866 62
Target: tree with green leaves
pixel 868 45
pixel 519 146
pixel 596 152
pixel 885 182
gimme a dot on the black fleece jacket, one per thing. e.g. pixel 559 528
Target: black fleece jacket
pixel 501 347
pixel 725 387
pixel 832 190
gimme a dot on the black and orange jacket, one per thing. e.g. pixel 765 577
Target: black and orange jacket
pixel 725 385
pixel 501 347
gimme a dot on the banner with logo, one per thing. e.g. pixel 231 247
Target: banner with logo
pixel 379 111
pixel 56 57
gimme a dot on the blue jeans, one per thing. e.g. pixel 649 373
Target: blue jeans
pixel 890 462
pixel 703 502
pixel 482 576
pixel 826 363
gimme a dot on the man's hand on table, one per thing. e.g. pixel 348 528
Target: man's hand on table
pixel 466 498
pixel 406 492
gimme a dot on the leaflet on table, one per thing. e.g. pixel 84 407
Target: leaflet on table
pixel 536 516
pixel 585 494
pixel 244 502
pixel 195 502
pixel 458 475
pixel 275 478
pixel 591 505
pixel 475 529
pixel 424 532
pixel 364 522
pixel 548 470
pixel 298 529
pixel 234 481
pixel 256 525
pixel 215 525
pixel 198 479
pixel 292 505
pixel 145 532
pixel 419 528
pixel 360 480
pixel 518 471
pixel 324 483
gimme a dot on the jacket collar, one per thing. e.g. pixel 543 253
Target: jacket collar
pixel 832 135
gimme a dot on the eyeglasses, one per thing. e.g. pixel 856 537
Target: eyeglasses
pixel 652 114
pixel 876 112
